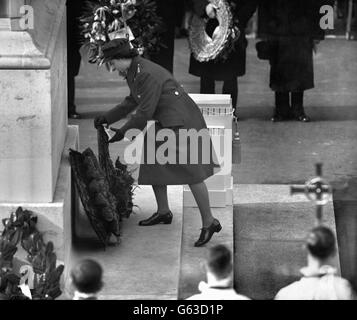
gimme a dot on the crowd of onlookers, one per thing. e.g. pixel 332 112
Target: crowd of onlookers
pixel 319 278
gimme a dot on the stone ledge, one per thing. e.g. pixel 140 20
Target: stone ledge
pixel 18 52
pixel 35 48
pixel 270 232
pixel 146 263
pixel 191 257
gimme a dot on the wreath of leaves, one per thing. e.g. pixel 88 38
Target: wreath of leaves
pixel 103 21
pixel 106 191
pixel 231 38
pixel 21 228
pixel 121 182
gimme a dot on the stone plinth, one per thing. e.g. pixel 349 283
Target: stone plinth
pixel 33 99
pixel 54 219
pixel 191 257
pixel 146 264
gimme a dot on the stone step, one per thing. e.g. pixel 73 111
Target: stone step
pixel 266 226
pixel 145 265
pixel 270 231
pixel 191 270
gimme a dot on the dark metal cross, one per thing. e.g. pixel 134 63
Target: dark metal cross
pixel 316 190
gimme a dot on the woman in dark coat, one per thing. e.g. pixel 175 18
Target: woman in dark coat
pixel 228 70
pixel 156 95
pixel 290 28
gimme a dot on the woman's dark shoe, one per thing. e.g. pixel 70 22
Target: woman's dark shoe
pixel 207 233
pixel 157 219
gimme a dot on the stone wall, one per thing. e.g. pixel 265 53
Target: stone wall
pixel 33 105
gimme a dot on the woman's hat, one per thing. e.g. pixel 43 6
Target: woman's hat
pixel 118 49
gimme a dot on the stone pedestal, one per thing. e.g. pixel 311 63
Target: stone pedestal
pixel 35 136
pixel 217 111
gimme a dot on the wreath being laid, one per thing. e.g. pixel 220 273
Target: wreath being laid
pixel 38 280
pixel 120 179
pixel 136 20
pixel 106 191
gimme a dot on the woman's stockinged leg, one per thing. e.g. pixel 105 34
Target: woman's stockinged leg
pixel 200 194
pixel 161 199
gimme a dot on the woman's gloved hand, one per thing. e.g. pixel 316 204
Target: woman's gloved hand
pixel 99 121
pixel 119 135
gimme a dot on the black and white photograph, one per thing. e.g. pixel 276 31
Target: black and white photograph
pixel 178 151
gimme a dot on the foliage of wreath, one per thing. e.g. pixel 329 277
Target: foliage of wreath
pixel 120 179
pixel 98 202
pixel 108 18
pixel 106 191
pixel 21 228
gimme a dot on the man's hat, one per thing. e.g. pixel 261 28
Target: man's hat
pixel 118 49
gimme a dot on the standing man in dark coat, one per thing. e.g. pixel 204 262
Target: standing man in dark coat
pixel 229 70
pixel 167 10
pixel 290 29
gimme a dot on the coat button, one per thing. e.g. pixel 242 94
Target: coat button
pixel 176 93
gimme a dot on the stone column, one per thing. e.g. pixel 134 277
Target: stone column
pixel 35 136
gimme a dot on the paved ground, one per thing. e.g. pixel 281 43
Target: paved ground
pixel 283 153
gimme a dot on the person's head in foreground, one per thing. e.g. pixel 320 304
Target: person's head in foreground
pixel 219 272
pixel 219 265
pixel 321 246
pixel 320 279
pixel 86 279
pixel 118 53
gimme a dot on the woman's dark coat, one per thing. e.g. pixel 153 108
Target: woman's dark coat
pixel 156 95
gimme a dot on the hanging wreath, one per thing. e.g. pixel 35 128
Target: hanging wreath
pixel 136 20
pixel 38 280
pixel 224 33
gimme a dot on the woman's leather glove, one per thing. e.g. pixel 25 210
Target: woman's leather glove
pixel 119 135
pixel 99 121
